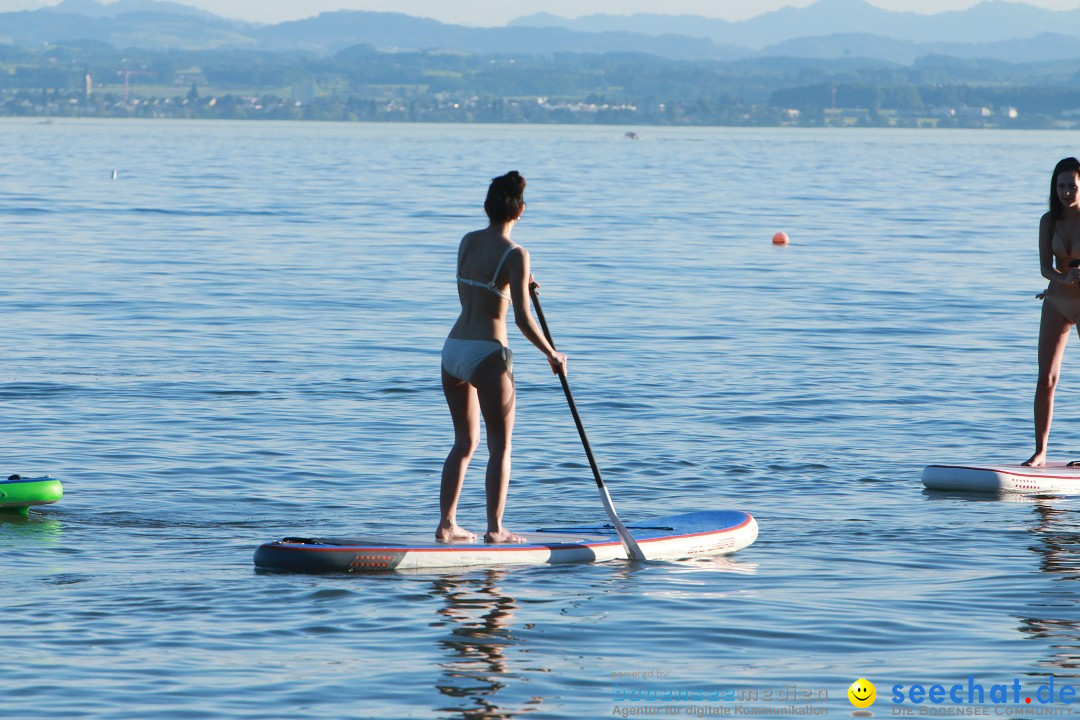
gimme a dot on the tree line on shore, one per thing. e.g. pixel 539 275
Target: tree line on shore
pixel 360 83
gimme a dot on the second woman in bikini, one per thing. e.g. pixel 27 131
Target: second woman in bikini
pixel 1059 246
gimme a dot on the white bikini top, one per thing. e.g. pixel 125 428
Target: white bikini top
pixel 504 294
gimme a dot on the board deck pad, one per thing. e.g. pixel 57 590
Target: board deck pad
pixel 1053 478
pixel 715 532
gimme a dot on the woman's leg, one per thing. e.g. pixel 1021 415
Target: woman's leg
pixel 1053 335
pixel 495 389
pixel 465 412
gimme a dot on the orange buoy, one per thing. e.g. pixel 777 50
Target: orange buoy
pixel 780 238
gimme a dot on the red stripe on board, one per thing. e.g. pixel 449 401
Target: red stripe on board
pixel 502 547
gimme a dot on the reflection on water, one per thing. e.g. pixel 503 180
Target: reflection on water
pixel 1047 613
pixel 34 526
pixel 1055 616
pixel 714 563
pixel 1059 537
pixel 479 617
pixel 484 661
pixel 978 496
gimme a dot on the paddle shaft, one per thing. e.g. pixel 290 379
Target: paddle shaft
pixel 570 400
pixel 633 552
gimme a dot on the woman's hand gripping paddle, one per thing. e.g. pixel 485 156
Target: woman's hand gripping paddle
pixel 633 552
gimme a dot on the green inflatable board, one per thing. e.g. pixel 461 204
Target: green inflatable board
pixel 19 494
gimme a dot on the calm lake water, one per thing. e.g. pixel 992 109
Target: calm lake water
pixel 237 338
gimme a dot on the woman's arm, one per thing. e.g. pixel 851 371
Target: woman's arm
pixel 520 276
pixel 1046 255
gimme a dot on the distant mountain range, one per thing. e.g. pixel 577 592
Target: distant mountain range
pixel 989 21
pixel 996 30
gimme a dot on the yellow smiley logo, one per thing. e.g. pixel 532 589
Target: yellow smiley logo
pixel 862 693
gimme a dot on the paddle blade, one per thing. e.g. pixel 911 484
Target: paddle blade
pixel 633 550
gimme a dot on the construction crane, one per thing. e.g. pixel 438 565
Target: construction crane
pixel 127 73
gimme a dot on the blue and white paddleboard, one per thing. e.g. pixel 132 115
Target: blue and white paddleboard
pixel 1054 478
pixel 714 532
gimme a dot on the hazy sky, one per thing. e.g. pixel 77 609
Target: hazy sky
pixel 498 12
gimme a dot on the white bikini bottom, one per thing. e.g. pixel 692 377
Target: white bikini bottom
pixel 460 358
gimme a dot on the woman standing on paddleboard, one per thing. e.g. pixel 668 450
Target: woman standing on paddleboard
pixel 477 365
pixel 1059 249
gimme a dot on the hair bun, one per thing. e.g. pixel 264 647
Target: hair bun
pixel 516 181
pixel 505 197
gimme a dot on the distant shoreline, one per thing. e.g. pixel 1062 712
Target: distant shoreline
pixel 52 119
pixel 46 106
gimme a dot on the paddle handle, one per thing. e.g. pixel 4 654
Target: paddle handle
pixel 633 552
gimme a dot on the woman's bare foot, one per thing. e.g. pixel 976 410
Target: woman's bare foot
pixel 449 532
pixel 1036 460
pixel 502 536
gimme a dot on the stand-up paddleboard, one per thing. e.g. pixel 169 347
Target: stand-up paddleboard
pixel 1052 478
pixel 716 532
pixel 19 494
